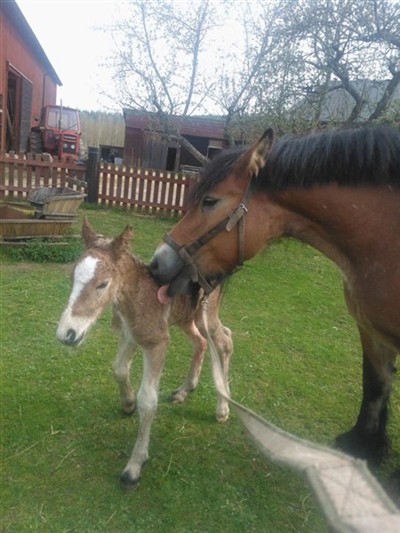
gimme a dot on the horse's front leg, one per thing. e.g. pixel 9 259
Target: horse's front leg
pixel 121 368
pixel 199 347
pixel 147 400
pixel 368 439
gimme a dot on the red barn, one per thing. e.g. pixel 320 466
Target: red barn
pixel 27 79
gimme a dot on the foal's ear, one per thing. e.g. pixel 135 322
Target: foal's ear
pixel 88 233
pixel 122 243
pixel 256 156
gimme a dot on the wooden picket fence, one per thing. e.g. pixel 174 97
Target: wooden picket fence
pixel 19 173
pixel 145 190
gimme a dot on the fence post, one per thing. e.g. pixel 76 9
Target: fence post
pixel 92 174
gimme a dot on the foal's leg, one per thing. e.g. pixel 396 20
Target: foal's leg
pixel 199 347
pixel 368 438
pixel 121 367
pixel 222 339
pixel 147 399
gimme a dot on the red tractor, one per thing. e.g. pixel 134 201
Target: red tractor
pixel 58 132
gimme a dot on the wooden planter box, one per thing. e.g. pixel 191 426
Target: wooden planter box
pixel 55 202
pixel 49 212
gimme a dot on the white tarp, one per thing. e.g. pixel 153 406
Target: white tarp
pixel 350 498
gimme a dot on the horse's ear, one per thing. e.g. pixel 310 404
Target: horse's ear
pixel 122 243
pixel 256 156
pixel 88 233
pixel 260 152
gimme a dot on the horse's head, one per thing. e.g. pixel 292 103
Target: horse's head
pixel 94 283
pixel 211 240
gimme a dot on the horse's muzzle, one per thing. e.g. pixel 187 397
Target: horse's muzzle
pixel 174 267
pixel 166 264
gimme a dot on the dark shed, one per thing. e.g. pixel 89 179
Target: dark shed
pixel 146 146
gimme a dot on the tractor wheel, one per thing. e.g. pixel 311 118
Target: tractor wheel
pixel 35 144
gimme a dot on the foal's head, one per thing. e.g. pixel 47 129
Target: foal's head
pixel 95 282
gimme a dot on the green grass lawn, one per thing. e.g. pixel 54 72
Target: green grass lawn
pixel 64 440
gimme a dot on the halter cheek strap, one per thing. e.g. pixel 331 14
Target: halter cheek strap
pixel 188 260
pixel 238 218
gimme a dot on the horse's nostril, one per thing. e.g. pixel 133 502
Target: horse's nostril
pixel 154 265
pixel 71 336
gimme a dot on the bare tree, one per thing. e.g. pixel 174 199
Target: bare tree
pixel 347 44
pixel 157 64
pixel 254 61
pixel 247 85
pixel 380 25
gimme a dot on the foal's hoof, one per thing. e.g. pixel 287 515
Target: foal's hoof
pixel 178 396
pixel 371 448
pixel 129 407
pixel 127 481
pixel 222 417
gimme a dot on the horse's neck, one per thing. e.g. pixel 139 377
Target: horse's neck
pixel 338 221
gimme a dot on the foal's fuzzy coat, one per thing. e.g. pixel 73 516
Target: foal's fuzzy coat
pixel 108 273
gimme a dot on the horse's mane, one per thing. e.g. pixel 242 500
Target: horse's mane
pixel 368 156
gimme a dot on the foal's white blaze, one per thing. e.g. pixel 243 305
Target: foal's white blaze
pixel 83 273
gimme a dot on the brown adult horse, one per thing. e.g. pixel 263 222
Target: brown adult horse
pixel 338 191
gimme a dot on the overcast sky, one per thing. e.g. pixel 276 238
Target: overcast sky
pixel 76 49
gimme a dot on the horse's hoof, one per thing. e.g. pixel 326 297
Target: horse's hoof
pixel 392 486
pixel 371 448
pixel 127 481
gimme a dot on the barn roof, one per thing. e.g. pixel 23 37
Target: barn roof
pixel 199 126
pixel 11 9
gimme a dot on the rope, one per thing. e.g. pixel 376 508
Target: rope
pixel 350 498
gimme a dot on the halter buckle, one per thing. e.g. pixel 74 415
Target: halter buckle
pixel 234 218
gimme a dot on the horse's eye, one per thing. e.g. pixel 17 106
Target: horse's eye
pixel 209 201
pixel 102 285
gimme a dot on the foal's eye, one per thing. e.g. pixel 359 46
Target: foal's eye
pixel 102 285
pixel 209 201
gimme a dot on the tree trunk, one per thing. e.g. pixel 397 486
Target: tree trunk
pixel 202 159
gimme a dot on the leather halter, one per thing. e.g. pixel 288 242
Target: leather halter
pixel 234 218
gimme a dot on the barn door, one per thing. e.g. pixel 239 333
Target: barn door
pixel 25 117
pixel 18 110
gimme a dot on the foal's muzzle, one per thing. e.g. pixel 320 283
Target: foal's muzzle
pixel 70 338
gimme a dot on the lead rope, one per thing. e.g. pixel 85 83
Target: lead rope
pixel 350 498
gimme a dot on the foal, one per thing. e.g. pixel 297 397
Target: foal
pixel 108 273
